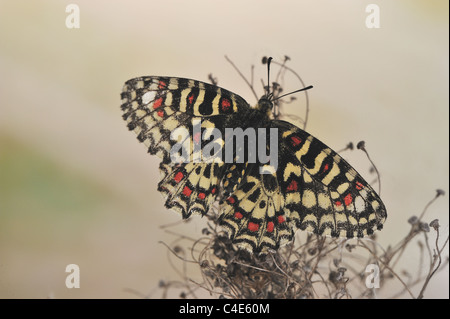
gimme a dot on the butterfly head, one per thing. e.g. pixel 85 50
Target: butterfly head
pixel 265 104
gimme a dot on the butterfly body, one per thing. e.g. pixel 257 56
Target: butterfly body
pixel 307 186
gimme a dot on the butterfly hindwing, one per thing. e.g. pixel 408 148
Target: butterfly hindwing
pixel 253 216
pixel 190 188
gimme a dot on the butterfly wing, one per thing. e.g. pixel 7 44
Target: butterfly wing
pixel 253 215
pixel 324 194
pixel 313 189
pixel 190 188
pixel 154 108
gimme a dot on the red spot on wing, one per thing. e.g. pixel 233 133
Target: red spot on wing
pixel 197 137
pixel 201 195
pixel 281 219
pixel 213 191
pixel 348 199
pixel 178 177
pixel 338 203
pixel 231 200
pixel 270 227
pixel 187 191
pixel 157 103
pixel 293 186
pixel 238 215
pixel 359 186
pixel 191 98
pixel 225 105
pixel 296 140
pixel 253 226
pixel 326 167
pixel 162 85
pixel 160 113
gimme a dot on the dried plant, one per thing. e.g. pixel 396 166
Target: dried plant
pixel 311 267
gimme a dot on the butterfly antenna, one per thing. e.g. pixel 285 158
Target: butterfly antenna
pixel 304 89
pixel 268 75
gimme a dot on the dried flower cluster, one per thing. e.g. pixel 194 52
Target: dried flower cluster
pixel 311 267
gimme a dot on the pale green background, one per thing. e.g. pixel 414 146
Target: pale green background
pixel 77 187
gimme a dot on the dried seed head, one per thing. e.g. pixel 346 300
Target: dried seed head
pixel 424 227
pixel 413 220
pixel 342 270
pixel 334 276
pixel 435 224
pixel 350 146
pixel 178 249
pixel 440 192
pixel 361 145
pixel 336 262
pixel 350 247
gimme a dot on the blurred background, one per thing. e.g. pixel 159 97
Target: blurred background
pixel 76 187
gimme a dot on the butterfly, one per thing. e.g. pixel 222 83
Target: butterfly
pixel 312 188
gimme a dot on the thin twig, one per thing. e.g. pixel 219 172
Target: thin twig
pixel 361 146
pixel 243 77
pixel 390 269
